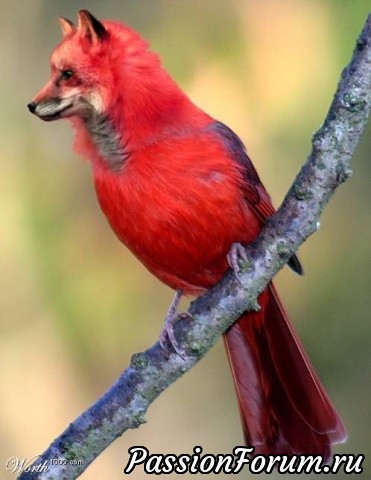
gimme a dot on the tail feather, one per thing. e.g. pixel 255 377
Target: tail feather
pixel 283 405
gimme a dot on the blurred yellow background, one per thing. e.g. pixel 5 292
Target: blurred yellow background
pixel 75 305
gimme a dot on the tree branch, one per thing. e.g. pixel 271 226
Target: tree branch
pixel 124 405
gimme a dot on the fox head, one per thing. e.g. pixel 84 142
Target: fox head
pixel 113 88
pixel 78 72
pixel 95 64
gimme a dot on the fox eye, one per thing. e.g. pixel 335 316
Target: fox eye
pixel 66 74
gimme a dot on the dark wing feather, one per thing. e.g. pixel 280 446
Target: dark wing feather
pixel 255 194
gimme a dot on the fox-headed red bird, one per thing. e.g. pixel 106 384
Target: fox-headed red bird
pixel 179 190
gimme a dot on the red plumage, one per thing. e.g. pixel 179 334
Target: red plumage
pixel 284 407
pixel 178 189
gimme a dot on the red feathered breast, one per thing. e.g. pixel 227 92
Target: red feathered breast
pixel 179 205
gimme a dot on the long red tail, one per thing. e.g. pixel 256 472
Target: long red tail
pixel 283 405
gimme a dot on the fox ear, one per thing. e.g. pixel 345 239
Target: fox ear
pixel 90 27
pixel 66 25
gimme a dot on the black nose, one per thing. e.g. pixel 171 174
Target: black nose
pixel 32 107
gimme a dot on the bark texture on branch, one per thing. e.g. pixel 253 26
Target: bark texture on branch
pixel 124 405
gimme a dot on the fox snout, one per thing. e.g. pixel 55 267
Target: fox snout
pixel 50 109
pixel 32 106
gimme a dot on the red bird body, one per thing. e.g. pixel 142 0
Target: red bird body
pixel 178 220
pixel 178 189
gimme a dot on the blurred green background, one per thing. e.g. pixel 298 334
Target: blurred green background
pixel 75 304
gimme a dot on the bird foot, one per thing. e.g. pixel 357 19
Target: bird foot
pixel 170 320
pixel 168 332
pixel 236 253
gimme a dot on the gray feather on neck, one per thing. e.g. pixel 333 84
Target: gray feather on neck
pixel 108 142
